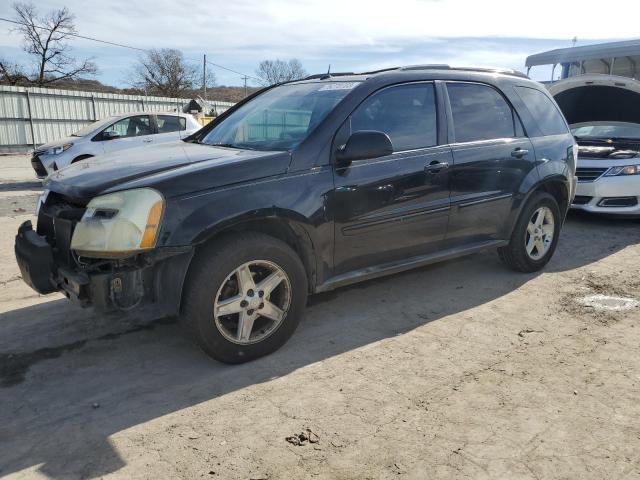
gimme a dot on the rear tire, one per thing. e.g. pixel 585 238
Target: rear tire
pixel 535 235
pixel 223 305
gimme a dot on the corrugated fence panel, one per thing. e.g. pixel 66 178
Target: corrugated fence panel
pixel 60 107
pixel 58 113
pixel 15 134
pixel 46 130
pixel 106 107
pixel 13 105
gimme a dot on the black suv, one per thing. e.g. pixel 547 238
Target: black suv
pixel 305 187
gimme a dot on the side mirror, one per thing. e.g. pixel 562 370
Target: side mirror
pixel 365 144
pixel 110 135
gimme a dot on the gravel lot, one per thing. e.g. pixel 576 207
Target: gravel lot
pixel 459 370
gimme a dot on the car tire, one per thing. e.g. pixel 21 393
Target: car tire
pixel 218 283
pixel 532 242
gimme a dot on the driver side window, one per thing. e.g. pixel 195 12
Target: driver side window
pixel 131 127
pixel 406 113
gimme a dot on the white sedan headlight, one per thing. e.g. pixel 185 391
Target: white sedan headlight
pixel 59 149
pixel 623 171
pixel 119 224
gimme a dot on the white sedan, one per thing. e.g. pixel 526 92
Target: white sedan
pixel 112 134
pixel 603 112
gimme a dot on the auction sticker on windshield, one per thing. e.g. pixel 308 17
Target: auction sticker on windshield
pixel 339 86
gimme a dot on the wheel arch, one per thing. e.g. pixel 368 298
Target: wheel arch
pixel 84 156
pixel 281 225
pixel 556 186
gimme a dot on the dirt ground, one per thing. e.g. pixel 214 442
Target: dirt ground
pixel 459 370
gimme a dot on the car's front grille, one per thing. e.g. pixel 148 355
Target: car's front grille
pixel 36 163
pixel 618 202
pixel 589 174
pixel 581 200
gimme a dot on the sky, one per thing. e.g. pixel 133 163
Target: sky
pixel 349 35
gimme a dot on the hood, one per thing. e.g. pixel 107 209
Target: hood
pixel 174 168
pixel 589 98
pixel 57 143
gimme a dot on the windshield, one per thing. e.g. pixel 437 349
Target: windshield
pixel 84 131
pixel 606 130
pixel 280 118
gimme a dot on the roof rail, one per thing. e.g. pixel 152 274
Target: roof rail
pixel 431 66
pixel 504 71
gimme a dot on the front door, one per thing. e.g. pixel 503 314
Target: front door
pixel 394 207
pixel 491 158
pixel 134 131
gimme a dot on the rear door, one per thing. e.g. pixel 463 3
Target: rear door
pixel 491 158
pixel 393 207
pixel 169 128
pixel 133 131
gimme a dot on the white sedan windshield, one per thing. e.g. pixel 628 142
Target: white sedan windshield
pixel 606 130
pixel 84 131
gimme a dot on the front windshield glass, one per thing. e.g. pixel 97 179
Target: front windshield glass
pixel 280 118
pixel 84 131
pixel 607 130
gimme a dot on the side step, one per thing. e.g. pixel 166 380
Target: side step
pixel 403 265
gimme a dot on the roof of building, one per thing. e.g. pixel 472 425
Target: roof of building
pixel 626 48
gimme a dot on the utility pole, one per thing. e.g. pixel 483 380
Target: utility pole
pixel 245 85
pixel 204 77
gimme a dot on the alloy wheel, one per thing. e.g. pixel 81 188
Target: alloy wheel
pixel 540 232
pixel 252 302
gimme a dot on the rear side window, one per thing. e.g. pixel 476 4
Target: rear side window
pixel 407 113
pixel 480 113
pixel 170 123
pixel 548 118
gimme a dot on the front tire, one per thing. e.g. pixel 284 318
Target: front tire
pixel 244 296
pixel 535 235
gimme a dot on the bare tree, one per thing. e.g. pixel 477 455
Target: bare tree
pixel 45 38
pixel 11 73
pixel 166 72
pixel 277 71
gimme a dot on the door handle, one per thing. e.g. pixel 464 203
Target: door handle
pixel 435 166
pixel 519 152
pixel 148 140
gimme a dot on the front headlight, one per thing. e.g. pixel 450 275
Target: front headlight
pixel 59 149
pixel 119 224
pixel 626 170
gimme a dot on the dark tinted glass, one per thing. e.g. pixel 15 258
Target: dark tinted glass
pixel 170 123
pixel 407 113
pixel 548 118
pixel 479 113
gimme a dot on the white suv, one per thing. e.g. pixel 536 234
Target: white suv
pixel 111 134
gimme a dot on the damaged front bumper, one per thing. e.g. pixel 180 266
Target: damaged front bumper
pixel 149 279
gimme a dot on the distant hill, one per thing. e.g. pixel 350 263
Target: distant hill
pixel 221 93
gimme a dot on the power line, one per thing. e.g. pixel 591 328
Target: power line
pixel 75 35
pixel 233 71
pixel 117 44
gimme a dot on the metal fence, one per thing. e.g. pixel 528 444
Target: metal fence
pixel 32 116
